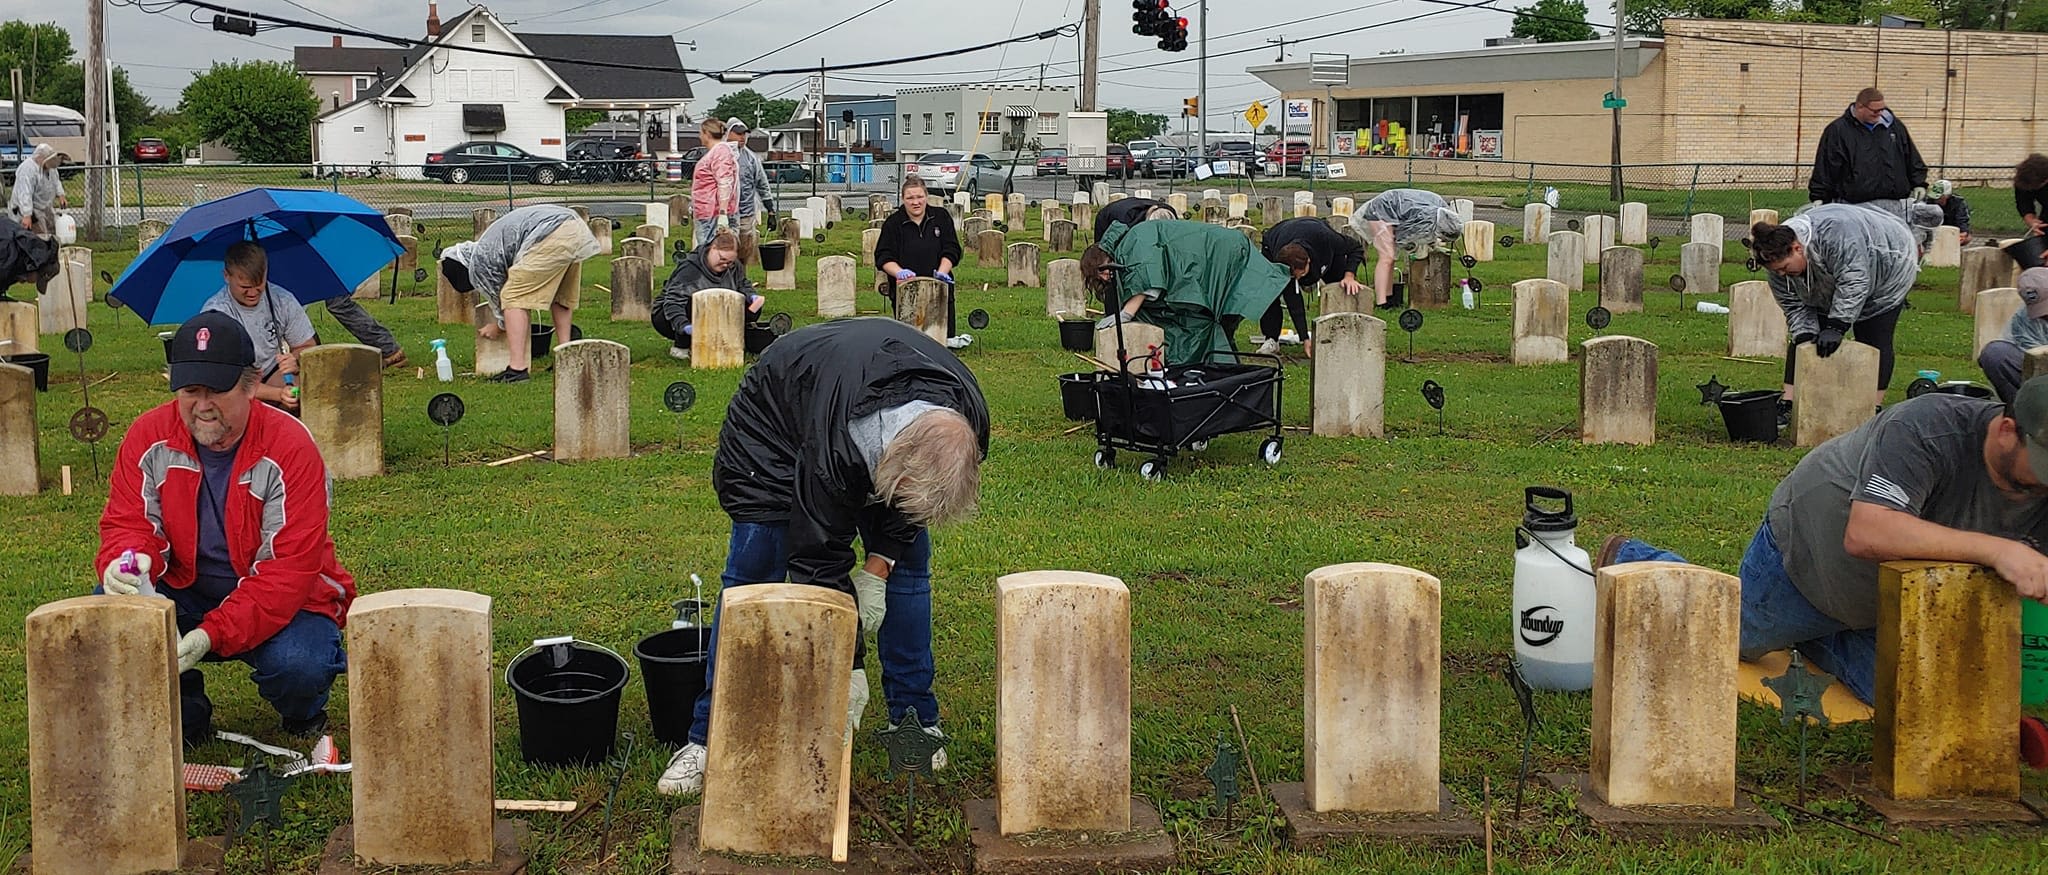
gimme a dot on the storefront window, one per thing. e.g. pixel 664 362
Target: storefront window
pixel 1392 117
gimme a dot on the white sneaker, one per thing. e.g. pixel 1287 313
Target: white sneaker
pixel 685 773
pixel 1270 347
pixel 679 352
pixel 959 342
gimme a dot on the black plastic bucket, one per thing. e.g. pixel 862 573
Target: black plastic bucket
pixel 774 254
pixel 543 335
pixel 1077 335
pixel 1077 395
pixel 39 362
pixel 568 697
pixel 1751 416
pixel 2028 250
pixel 672 667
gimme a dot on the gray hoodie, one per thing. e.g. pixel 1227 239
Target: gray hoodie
pixel 1859 262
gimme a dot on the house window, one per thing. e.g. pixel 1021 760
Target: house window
pixel 832 130
pixel 362 85
pixel 950 128
pixel 476 31
pixel 883 123
pixel 864 130
pixel 1048 123
pixel 906 125
pixel 928 123
pixel 991 123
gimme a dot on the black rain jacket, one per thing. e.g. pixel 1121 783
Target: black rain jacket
pixel 1854 164
pixel 784 454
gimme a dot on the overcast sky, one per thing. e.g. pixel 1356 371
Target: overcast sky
pixel 161 51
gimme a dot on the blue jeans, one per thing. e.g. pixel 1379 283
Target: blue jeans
pixel 1775 615
pixel 759 553
pixel 293 671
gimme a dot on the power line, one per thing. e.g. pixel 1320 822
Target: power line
pixel 814 33
pixel 275 22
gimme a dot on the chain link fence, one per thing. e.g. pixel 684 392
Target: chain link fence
pixel 1671 191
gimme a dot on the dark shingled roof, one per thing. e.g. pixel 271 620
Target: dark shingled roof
pixel 352 59
pixel 609 83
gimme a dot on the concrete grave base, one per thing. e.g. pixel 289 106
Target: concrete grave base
pixel 1924 813
pixel 1145 847
pixel 1308 829
pixel 508 838
pixel 685 858
pixel 202 856
pixel 1650 821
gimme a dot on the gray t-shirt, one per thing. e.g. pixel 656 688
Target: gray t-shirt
pixel 276 323
pixel 1924 457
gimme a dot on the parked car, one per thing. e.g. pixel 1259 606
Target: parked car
pixel 954 171
pixel 486 159
pixel 1118 161
pixel 689 160
pixel 594 159
pixel 1141 149
pixel 1052 162
pixel 150 150
pixel 1165 161
pixel 1293 152
pixel 786 171
pixel 1236 150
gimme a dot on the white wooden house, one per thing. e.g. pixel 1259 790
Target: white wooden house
pixel 427 98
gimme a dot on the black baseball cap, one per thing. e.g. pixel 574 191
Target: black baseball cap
pixel 211 349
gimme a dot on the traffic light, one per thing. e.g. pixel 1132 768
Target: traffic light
pixel 1191 107
pixel 1173 36
pixel 1155 18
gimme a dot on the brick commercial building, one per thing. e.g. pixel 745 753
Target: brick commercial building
pixel 1708 92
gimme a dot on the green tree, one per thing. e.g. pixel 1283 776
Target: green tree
pixel 1126 125
pixel 40 50
pixel 576 120
pixel 260 109
pixel 1552 21
pixel 751 107
pixel 66 87
pixel 2031 16
pixel 1647 16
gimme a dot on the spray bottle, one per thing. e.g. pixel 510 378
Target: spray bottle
pixel 130 566
pixel 291 386
pixel 443 368
pixel 1554 595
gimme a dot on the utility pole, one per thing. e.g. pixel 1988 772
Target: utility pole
pixel 1202 77
pixel 1091 50
pixel 818 155
pixel 1614 172
pixel 95 117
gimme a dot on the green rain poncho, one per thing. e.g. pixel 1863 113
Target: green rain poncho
pixel 1207 273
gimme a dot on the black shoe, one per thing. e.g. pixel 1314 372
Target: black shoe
pixel 308 728
pixel 509 375
pixel 195 710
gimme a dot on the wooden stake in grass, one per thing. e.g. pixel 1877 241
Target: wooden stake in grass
pixel 1486 802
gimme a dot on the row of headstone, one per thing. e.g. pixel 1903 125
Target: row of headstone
pixel 1666 644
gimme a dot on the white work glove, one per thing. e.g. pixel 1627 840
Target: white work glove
pixel 1919 193
pixel 724 222
pixel 856 701
pixel 116 582
pixel 871 595
pixel 193 647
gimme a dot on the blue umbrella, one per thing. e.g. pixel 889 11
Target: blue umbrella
pixel 321 245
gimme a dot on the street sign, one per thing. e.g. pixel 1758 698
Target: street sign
pixel 1609 101
pixel 1255 114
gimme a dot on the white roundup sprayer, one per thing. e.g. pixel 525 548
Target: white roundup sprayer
pixel 1554 598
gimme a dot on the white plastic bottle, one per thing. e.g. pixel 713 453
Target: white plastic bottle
pixel 1471 300
pixel 1554 597
pixel 443 368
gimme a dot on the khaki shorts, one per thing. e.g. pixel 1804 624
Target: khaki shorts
pixel 550 273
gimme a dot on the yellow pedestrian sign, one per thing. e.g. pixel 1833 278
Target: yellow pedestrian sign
pixel 1256 114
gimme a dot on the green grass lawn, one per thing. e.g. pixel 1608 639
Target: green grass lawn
pixel 1214 558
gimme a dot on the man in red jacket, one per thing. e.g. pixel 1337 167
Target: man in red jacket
pixel 219 503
